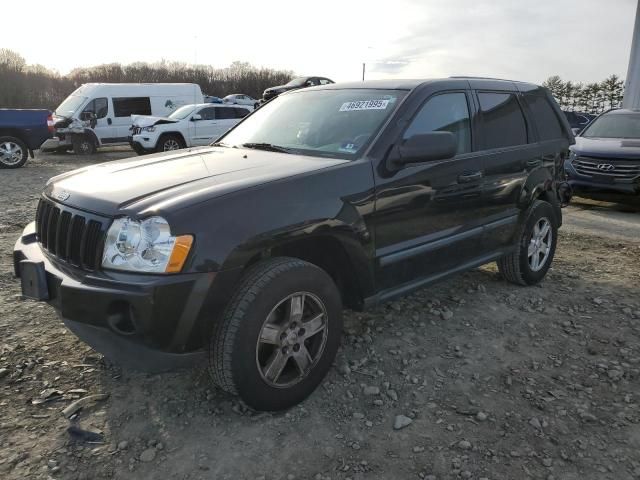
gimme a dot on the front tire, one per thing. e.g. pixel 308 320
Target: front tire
pixel 279 334
pixel 537 239
pixel 168 143
pixel 13 152
pixel 83 145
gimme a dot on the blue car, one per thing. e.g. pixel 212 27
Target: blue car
pixel 604 163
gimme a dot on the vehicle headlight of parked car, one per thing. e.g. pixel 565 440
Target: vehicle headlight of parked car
pixel 145 246
pixel 148 129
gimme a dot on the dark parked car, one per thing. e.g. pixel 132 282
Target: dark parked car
pixel 296 83
pixel 605 161
pixel 341 195
pixel 22 132
pixel 578 120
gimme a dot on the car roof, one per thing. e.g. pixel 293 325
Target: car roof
pixel 622 111
pixel 410 84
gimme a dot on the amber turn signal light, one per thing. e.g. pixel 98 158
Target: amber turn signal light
pixel 179 254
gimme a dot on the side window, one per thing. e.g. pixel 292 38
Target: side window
pixel 99 106
pixel 125 106
pixel 208 113
pixel 225 113
pixel 549 126
pixel 241 112
pixel 325 81
pixel 447 112
pixel 503 123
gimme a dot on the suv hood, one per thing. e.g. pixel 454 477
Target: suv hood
pixel 147 120
pixel 625 148
pixel 170 181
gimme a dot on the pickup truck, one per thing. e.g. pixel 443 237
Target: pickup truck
pixel 22 132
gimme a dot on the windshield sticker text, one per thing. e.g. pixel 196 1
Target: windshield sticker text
pixel 364 105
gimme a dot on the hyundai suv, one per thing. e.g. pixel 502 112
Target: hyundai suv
pixel 344 195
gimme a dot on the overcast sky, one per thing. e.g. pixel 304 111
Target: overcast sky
pixel 581 40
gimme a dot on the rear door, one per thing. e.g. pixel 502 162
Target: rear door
pixel 429 216
pixel 507 142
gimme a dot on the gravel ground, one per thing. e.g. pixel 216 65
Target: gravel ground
pixel 472 378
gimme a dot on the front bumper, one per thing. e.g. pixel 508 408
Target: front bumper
pixel 140 321
pixel 145 143
pixel 587 186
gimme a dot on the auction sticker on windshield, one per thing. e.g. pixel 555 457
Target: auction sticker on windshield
pixel 364 105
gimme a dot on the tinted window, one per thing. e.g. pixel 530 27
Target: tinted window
pixel 444 113
pixel 241 112
pixel 123 107
pixel 325 81
pixel 99 106
pixel 615 125
pixel 549 126
pixel 225 113
pixel 503 121
pixel 208 113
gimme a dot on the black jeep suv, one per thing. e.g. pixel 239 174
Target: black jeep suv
pixel 333 196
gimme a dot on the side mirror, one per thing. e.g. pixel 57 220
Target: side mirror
pixel 87 116
pixel 196 117
pixel 425 148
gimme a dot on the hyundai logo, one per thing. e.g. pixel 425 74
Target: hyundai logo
pixel 606 167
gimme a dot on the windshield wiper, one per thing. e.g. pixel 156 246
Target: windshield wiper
pixel 266 146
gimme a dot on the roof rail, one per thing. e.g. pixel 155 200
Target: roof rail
pixel 485 78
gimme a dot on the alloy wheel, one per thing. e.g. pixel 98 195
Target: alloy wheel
pixel 540 244
pixel 10 153
pixel 170 145
pixel 292 339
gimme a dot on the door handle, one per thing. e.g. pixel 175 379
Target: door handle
pixel 533 163
pixel 469 177
pixel 109 121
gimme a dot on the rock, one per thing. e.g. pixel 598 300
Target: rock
pixel 401 422
pixel 378 402
pixel 464 445
pixel 371 390
pixel 392 395
pixel 535 423
pixel 547 462
pixel 358 415
pixel 466 474
pixel 418 449
pixel 344 369
pixel 446 315
pixel 481 416
pixel 123 445
pixel 148 455
pixel 4 372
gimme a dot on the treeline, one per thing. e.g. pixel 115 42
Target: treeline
pixel 590 97
pixel 35 86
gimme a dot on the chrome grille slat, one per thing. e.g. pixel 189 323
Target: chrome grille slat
pixel 623 169
pixel 71 236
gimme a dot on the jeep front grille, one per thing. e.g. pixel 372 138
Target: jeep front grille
pixel 71 236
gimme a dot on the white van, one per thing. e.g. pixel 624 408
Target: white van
pixel 99 114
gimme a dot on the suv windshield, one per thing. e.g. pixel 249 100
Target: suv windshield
pixel 182 112
pixel 615 125
pixel 297 82
pixel 70 105
pixel 334 123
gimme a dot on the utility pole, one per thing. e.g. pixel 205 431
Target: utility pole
pixel 632 85
pixel 363 66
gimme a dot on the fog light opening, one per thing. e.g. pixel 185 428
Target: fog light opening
pixel 119 318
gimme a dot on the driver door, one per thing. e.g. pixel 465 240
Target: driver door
pixel 102 126
pixel 204 129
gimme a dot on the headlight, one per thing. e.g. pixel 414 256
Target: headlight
pixel 148 129
pixel 145 246
pixel 572 156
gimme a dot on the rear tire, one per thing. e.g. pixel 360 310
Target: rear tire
pixel 13 152
pixel 537 237
pixel 168 143
pixel 279 334
pixel 83 145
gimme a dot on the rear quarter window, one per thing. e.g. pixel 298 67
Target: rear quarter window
pixel 503 123
pixel 545 118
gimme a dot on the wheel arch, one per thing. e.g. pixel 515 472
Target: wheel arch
pixel 172 132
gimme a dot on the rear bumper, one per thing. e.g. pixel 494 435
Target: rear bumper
pixel 140 321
